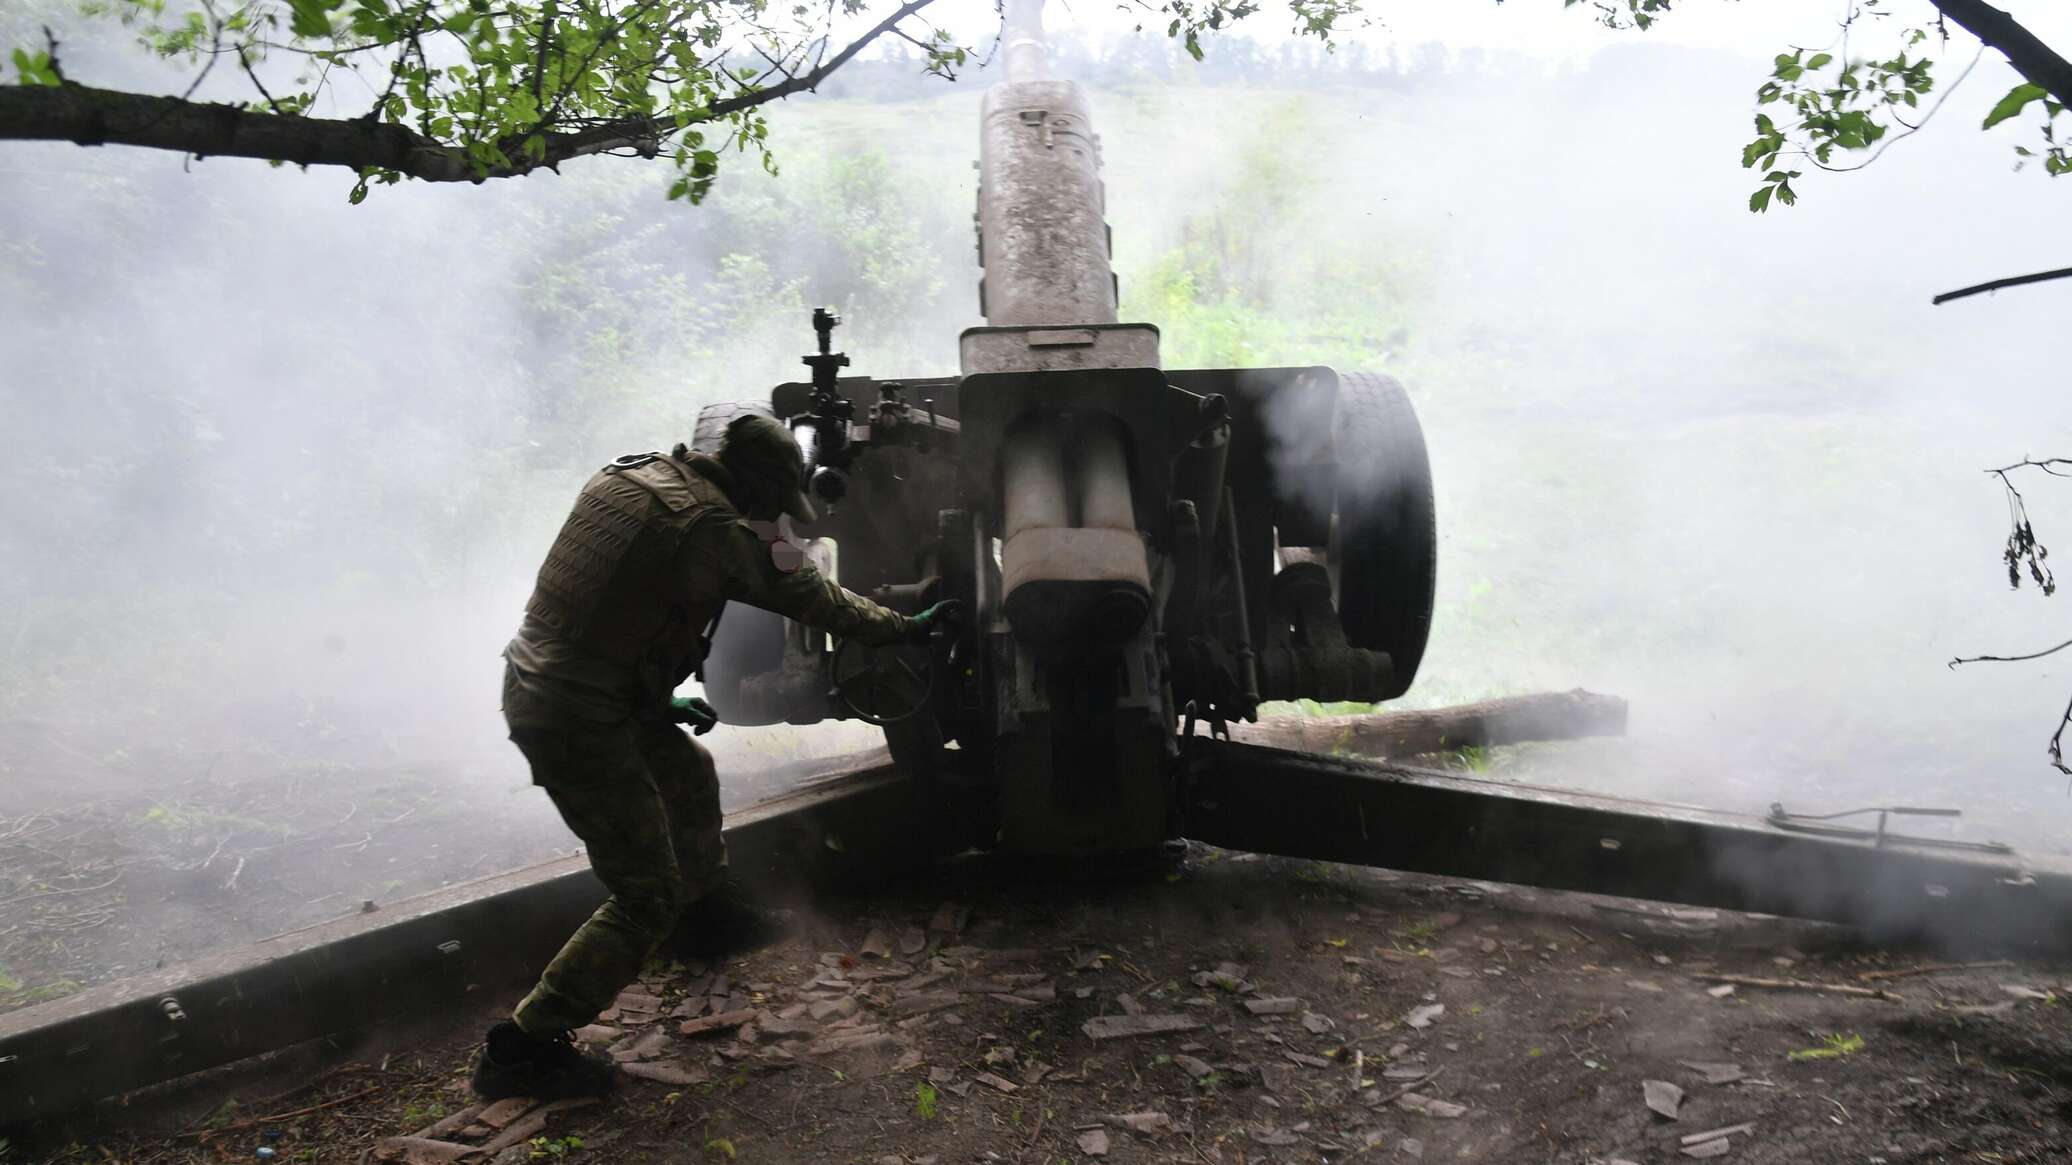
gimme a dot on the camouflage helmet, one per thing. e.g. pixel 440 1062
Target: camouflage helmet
pixel 765 460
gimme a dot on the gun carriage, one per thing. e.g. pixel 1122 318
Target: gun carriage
pixel 1142 549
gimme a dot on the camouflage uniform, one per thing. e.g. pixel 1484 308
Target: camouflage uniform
pixel 653 549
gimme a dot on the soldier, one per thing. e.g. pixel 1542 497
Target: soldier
pixel 656 545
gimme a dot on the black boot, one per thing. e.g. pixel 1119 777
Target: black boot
pixel 513 1063
pixel 725 922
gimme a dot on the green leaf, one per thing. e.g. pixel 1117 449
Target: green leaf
pixel 1819 60
pixel 2017 99
pixel 36 68
pixel 311 17
pixel 1760 200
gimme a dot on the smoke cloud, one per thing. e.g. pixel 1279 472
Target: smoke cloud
pixel 280 469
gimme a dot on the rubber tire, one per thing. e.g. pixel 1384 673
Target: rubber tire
pixel 1384 553
pixel 750 639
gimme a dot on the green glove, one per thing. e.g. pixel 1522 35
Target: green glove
pixel 945 613
pixel 695 712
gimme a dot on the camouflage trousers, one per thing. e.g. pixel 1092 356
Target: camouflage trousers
pixel 644 799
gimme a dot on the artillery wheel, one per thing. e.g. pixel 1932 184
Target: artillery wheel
pixel 750 640
pixel 1384 551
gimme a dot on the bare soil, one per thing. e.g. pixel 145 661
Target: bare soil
pixel 952 1027
pixel 178 851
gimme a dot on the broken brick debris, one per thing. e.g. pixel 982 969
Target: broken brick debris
pixel 923 1002
pixel 723 1021
pixel 420 1151
pixel 666 1072
pixel 1112 1027
pixel 1714 1071
pixel 1662 1098
pixel 1717 1134
pixel 1431 1106
pixel 1150 1124
pixel 503 1112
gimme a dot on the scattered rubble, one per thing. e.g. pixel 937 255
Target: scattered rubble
pixel 1423 1017
pixel 711 1024
pixel 1715 1072
pixel 1662 1098
pixel 1150 1124
pixel 1111 1027
pixel 1431 1106
pixel 975 1035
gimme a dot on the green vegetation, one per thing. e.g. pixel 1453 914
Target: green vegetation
pixel 925 1098
pixel 1474 757
pixel 415 1114
pixel 43 993
pixel 181 818
pixel 1832 1047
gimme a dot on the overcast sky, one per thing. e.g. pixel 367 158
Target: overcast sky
pixel 1542 28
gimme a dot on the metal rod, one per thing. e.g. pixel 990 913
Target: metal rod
pixel 1247 659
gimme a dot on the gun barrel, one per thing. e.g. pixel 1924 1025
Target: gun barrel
pixel 1043 240
pixel 1024 53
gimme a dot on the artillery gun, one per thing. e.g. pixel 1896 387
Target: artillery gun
pixel 1141 549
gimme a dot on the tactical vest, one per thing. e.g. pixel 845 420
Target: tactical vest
pixel 612 584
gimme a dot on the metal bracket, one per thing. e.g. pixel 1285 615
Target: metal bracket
pixel 1808 823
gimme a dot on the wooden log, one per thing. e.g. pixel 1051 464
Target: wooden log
pixel 1505 720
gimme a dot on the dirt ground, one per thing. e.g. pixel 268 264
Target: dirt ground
pixel 1316 1013
pixel 180 851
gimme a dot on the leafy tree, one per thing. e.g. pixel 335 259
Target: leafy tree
pixel 1841 99
pixel 467 90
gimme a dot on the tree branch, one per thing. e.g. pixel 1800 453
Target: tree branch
pixel 805 82
pixel 1997 284
pixel 90 116
pixel 94 117
pixel 2030 57
pixel 2011 658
